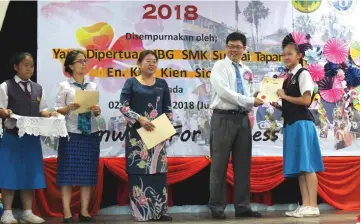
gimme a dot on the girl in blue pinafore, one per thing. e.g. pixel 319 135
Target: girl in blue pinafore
pixel 21 159
pixel 301 149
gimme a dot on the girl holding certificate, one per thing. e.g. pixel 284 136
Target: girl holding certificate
pixel 143 99
pixel 301 148
pixel 78 155
pixel 21 159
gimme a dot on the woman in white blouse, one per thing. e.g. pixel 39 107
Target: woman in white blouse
pixel 78 156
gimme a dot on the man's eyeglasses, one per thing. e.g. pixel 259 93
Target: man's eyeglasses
pixel 236 47
pixel 82 62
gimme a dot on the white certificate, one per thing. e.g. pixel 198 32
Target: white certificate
pixel 86 99
pixel 162 131
pixel 269 87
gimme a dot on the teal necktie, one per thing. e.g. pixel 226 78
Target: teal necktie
pixel 239 79
pixel 84 119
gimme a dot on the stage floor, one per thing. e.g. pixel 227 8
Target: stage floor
pixel 330 217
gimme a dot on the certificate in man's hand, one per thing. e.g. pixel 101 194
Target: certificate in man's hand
pixel 269 87
pixel 86 99
pixel 162 131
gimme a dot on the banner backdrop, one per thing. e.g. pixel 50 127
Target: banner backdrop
pixel 189 37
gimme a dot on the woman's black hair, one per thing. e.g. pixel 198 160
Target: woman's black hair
pixel 16 59
pixel 144 53
pixel 70 58
pixel 298 51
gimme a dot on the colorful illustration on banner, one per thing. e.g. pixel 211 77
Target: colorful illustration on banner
pixel 343 136
pixel 316 101
pixel 294 37
pixel 313 56
pixel 336 50
pixel 352 76
pixel 355 52
pixel 340 75
pixel 343 6
pixel 355 124
pixel 324 123
pixel 331 69
pixel 269 123
pixel 355 95
pixel 317 72
pixel 103 35
pixel 306 6
pixel 98 37
pixel 266 115
pixel 331 89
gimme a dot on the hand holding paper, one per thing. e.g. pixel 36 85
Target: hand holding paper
pixel 95 109
pixel 146 124
pixel 269 87
pixel 162 131
pixel 73 106
pixel 85 99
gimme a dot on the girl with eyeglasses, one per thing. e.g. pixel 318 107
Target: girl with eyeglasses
pixel 78 155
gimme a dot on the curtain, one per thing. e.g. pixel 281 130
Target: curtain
pixel 339 185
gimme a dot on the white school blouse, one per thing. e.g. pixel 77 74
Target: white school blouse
pixel 65 96
pixel 304 80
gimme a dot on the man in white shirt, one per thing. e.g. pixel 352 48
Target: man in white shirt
pixel 231 132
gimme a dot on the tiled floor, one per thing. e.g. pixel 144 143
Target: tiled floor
pixel 336 217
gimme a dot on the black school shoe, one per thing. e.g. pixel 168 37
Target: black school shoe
pixel 83 218
pixel 248 214
pixel 68 220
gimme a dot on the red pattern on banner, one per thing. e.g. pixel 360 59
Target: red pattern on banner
pixel 339 185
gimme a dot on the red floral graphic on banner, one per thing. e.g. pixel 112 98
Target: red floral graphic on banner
pixel 99 37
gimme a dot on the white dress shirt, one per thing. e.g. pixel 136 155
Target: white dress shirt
pixel 4 99
pixel 65 96
pixel 304 80
pixel 224 82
